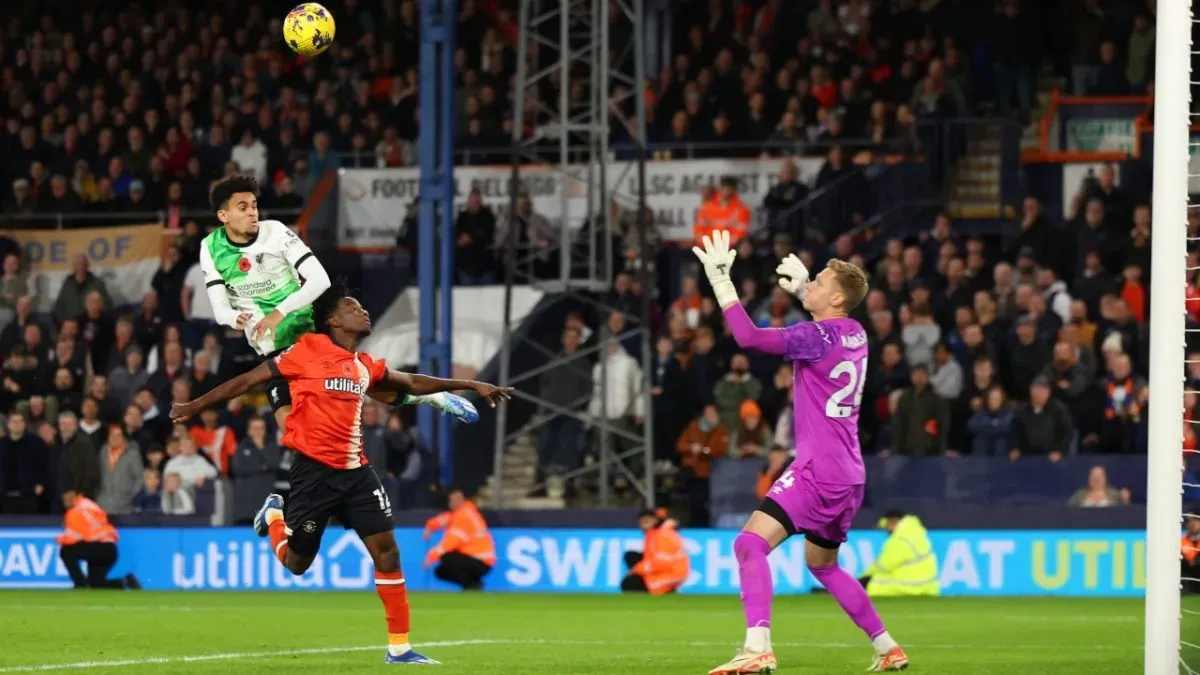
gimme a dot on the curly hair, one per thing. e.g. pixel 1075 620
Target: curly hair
pixel 325 305
pixel 225 188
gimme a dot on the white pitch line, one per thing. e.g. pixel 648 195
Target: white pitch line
pixel 237 656
pixel 226 656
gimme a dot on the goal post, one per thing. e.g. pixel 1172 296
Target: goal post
pixel 1172 117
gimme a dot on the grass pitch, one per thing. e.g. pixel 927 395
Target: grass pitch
pixel 309 632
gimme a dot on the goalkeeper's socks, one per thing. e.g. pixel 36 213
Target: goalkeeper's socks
pixel 883 643
pixel 758 640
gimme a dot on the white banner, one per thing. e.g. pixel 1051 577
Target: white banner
pixel 372 203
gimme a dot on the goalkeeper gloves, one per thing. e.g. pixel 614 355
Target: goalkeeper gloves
pixel 717 258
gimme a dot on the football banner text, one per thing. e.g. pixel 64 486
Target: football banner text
pixel 1091 563
pixel 125 258
pixel 372 203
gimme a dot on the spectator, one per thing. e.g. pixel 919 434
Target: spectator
pixel 96 330
pixel 254 463
pixel 1098 493
pixel 475 229
pixel 110 409
pixel 124 381
pixel 947 376
pixel 922 418
pixel 120 472
pixel 705 439
pixel 13 284
pixel 991 424
pixel 920 334
pixel 669 397
pixel 14 332
pixel 78 469
pixel 616 395
pixel 1122 409
pixel 22 467
pixel 1042 426
pixel 90 424
pixel 216 441
pixel 737 386
pixel 192 468
pixel 778 460
pixel 177 500
pixel 149 498
pixel 75 288
pixel 560 445
pixel 751 438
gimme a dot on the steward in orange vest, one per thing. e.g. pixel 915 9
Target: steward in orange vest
pixel 1190 562
pixel 466 553
pixel 663 564
pixel 89 537
pixel 725 211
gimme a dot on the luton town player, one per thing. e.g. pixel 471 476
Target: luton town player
pixel 261 278
pixel 329 382
pixel 820 493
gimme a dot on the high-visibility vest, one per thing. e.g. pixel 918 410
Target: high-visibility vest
pixel 466 533
pixel 86 522
pixel 714 214
pixel 1190 548
pixel 906 565
pixel 664 565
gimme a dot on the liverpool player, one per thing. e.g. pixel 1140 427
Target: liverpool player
pixel 329 381
pixel 261 279
pixel 820 493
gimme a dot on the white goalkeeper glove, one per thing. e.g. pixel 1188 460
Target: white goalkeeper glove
pixel 717 258
pixel 793 275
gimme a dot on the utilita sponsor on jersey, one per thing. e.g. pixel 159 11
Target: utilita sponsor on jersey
pixel 345 384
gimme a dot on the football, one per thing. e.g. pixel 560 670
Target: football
pixel 308 29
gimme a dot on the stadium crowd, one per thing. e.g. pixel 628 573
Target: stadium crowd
pixel 1031 348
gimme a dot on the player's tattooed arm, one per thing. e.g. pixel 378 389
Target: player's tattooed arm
pixel 421 385
pixel 181 412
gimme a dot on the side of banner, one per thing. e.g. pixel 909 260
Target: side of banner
pixel 125 258
pixel 1107 563
pixel 372 203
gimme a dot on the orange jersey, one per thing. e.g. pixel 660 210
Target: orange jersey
pixel 329 386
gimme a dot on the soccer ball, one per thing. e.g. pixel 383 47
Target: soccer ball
pixel 308 29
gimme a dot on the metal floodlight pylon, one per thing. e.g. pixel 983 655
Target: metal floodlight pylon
pixel 596 80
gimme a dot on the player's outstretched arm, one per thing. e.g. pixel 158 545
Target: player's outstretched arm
pixel 422 385
pixel 717 258
pixel 749 336
pixel 181 412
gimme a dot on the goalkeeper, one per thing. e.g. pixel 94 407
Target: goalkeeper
pixel 907 565
pixel 262 279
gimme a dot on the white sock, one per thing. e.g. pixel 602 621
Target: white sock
pixel 399 650
pixel 883 643
pixel 437 400
pixel 758 640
